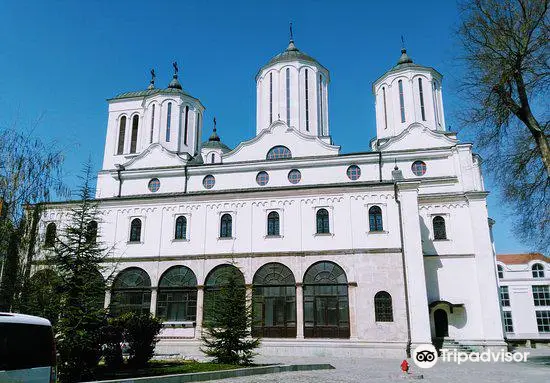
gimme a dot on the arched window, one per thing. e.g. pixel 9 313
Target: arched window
pixel 131 292
pixel 537 270
pixel 401 100
pixel 321 125
pixel 134 137
pixel 375 219
pixel 214 283
pixel 152 123
pixel 135 230
pixel 168 121
pixel 213 158
pixel 121 134
pixel 500 272
pixel 274 302
pixel 186 125
pixel 91 232
pixel 326 306
pixel 51 233
pixel 181 228
pixel 307 99
pixel 279 153
pixel 270 98
pixel 439 228
pixel 273 223
pixel 421 99
pixel 288 96
pixel 226 226
pixel 177 295
pixel 383 311
pixel 385 110
pixel 322 222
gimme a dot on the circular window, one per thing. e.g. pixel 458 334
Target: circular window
pixel 209 181
pixel 262 178
pixel 294 176
pixel 154 185
pixel 354 172
pixel 418 168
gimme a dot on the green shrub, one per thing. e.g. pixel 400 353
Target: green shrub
pixel 111 339
pixel 140 332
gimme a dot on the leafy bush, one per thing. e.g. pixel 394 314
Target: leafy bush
pixel 140 332
pixel 111 338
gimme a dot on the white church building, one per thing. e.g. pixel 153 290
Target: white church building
pixel 359 254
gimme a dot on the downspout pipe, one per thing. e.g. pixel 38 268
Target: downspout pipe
pixel 119 169
pixel 396 191
pixel 186 178
pixel 380 165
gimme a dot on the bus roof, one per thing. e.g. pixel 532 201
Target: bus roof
pixel 23 319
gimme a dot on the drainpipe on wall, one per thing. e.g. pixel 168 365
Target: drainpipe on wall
pixel 380 165
pixel 396 175
pixel 119 169
pixel 185 185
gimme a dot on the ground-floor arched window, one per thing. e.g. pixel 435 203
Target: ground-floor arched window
pixel 215 282
pixel 177 295
pixel 326 306
pixel 131 292
pixel 274 302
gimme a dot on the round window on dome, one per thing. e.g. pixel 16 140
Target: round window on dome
pixel 354 172
pixel 419 168
pixel 208 181
pixel 154 185
pixel 262 178
pixel 294 176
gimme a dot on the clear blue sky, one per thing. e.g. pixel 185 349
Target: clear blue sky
pixel 62 59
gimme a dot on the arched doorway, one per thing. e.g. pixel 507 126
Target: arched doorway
pixel 326 306
pixel 131 292
pixel 177 295
pixel 274 302
pixel 441 322
pixel 215 281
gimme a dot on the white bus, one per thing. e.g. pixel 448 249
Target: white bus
pixel 27 349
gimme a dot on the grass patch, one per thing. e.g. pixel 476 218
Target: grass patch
pixel 162 367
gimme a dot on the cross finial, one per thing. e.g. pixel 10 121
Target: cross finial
pixel 214 124
pixel 402 42
pixel 176 69
pixel 152 82
pixel 291 34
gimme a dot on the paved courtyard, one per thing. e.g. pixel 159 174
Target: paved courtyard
pixel 388 370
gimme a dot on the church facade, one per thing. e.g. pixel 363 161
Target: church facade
pixel 368 253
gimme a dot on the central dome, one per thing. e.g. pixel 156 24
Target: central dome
pixel 291 53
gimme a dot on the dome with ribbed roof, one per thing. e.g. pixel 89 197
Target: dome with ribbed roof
pixel 291 53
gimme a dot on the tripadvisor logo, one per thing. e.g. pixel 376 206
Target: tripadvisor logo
pixel 425 356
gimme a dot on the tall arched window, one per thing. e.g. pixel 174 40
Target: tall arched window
pixel 181 228
pixel 326 306
pixel 135 230
pixel 401 100
pixel 537 270
pixel 270 98
pixel 91 232
pixel 168 121
pixel 307 99
pixel 274 302
pixel 213 158
pixel 121 134
pixel 51 233
pixel 500 272
pixel 321 125
pixel 214 283
pixel 375 219
pixel 152 123
pixel 186 124
pixel 439 228
pixel 177 295
pixel 323 222
pixel 385 110
pixel 131 292
pixel 383 311
pixel 279 153
pixel 273 223
pixel 226 226
pixel 420 91
pixel 134 137
pixel 288 96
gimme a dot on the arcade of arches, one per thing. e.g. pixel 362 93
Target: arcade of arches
pixel 281 307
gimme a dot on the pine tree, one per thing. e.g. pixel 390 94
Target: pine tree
pixel 77 257
pixel 227 335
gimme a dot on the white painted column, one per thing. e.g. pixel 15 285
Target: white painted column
pixel 249 301
pixel 352 291
pixel 491 323
pixel 414 264
pixel 153 307
pixel 200 309
pixel 299 311
pixel 107 299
